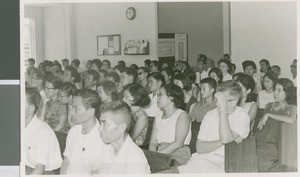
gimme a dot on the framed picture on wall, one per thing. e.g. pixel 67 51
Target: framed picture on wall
pixel 137 47
pixel 109 44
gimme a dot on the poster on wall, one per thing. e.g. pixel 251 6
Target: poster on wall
pixel 166 47
pixel 109 44
pixel 137 47
pixel 181 47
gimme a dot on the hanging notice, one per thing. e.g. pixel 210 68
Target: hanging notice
pixel 166 47
pixel 181 47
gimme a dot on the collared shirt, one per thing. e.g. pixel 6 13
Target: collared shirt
pixel 129 160
pixel 201 76
pixel 239 122
pixel 152 110
pixel 84 151
pixel 41 146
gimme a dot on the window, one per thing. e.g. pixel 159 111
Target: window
pixel 29 40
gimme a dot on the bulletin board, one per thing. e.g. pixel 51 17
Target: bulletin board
pixel 109 44
pixel 172 47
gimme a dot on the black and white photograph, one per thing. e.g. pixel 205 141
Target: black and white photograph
pixel 158 87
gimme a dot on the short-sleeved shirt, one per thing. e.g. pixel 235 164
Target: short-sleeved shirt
pixel 129 160
pixel 41 146
pixel 54 110
pixel 84 151
pixel 200 109
pixel 239 122
pixel 166 128
pixel 264 98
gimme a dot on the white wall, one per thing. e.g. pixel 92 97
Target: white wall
pixel 264 30
pixel 36 13
pixel 92 19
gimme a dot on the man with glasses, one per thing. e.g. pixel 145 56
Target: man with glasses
pixel 83 152
pixel 36 79
pixel 225 124
pixel 294 71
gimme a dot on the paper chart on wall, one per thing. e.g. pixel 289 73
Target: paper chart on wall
pixel 103 44
pixel 116 43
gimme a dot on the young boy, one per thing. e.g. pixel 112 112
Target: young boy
pixel 125 157
pixel 207 103
pixel 220 126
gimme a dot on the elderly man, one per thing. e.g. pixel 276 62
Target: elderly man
pixel 42 148
pixel 125 157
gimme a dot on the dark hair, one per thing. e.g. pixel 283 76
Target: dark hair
pixel 226 55
pixel 108 62
pixel 239 74
pixel 191 75
pixel 218 72
pixel 176 93
pixel 131 72
pixel 122 63
pixel 147 62
pixel 140 95
pixel 76 62
pixel 38 74
pixel 55 81
pixel 277 67
pixel 119 68
pixel 103 71
pixel 31 60
pixel 74 73
pixel 33 97
pixel 144 69
pixel 114 76
pixel 249 63
pixel 134 67
pixel 202 58
pixel 211 82
pixel 156 64
pixel 97 62
pixel 58 65
pixel 157 76
pixel 185 81
pixel 227 62
pixel 169 72
pixel 266 62
pixel 65 60
pixel 273 76
pixel 289 89
pixel 248 82
pixel 90 99
pixel 47 63
pixel 186 64
pixel 231 86
pixel 109 88
pixel 120 108
pixel 94 73
pixel 68 88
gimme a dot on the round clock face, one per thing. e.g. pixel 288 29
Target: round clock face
pixel 130 13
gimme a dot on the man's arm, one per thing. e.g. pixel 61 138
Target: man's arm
pixel 64 166
pixel 203 147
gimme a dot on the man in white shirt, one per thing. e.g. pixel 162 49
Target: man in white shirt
pixel 125 157
pixel 225 124
pixel 83 153
pixel 201 64
pixel 41 145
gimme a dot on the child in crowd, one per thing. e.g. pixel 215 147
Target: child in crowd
pixel 225 124
pixel 171 133
pixel 267 138
pixel 137 97
pixel 266 96
pixel 198 110
pixel 225 67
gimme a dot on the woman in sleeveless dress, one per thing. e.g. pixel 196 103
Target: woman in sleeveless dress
pixel 171 133
pixel 267 136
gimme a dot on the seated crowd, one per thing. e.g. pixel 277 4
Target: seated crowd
pixel 105 114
